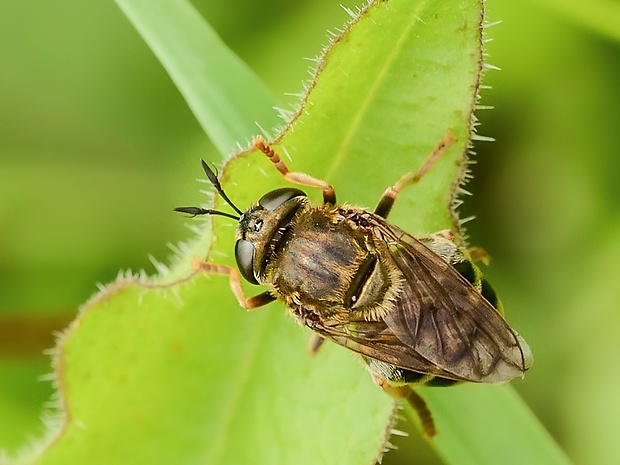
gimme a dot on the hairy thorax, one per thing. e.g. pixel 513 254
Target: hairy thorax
pixel 328 265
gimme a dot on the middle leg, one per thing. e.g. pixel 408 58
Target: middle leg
pixel 386 202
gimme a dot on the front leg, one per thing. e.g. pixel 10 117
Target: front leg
pixel 235 284
pixel 329 195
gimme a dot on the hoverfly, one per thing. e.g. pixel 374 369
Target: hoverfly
pixel 417 309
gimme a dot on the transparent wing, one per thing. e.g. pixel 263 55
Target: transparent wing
pixel 442 317
pixel 376 340
pixel 439 325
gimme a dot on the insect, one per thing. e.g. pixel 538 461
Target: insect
pixel 417 309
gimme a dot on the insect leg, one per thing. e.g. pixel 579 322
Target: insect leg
pixel 475 253
pixel 478 254
pixel 416 402
pixel 235 284
pixel 386 202
pixel 329 195
pixel 315 343
pixel 426 417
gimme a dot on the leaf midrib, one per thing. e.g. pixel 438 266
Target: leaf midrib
pixel 344 147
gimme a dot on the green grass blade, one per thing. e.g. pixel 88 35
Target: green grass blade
pixel 600 16
pixel 481 425
pixel 224 94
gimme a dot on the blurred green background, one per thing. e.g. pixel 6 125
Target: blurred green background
pixel 97 146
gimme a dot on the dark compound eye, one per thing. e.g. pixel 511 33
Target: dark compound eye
pixel 272 200
pixel 244 255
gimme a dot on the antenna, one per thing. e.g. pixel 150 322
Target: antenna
pixel 194 211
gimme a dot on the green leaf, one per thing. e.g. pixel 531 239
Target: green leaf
pixel 173 371
pixel 156 378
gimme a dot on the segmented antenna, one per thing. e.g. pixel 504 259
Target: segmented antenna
pixel 194 211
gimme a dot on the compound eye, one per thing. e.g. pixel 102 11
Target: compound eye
pixel 244 254
pixel 272 200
